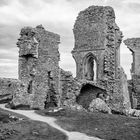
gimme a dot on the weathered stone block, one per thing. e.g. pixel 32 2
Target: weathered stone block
pixel 99 105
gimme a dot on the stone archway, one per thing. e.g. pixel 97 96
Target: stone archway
pixel 90 67
pixel 88 92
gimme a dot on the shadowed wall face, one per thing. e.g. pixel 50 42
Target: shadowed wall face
pixel 87 94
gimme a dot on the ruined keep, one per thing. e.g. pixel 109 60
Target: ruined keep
pixel 42 83
pixel 134 46
pixel 38 67
pixel 97 53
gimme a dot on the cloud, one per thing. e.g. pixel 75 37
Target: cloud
pixel 134 7
pixel 3 2
pixel 8 68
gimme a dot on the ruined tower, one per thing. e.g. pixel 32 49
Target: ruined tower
pixel 134 46
pixel 97 41
pixel 97 53
pixel 38 66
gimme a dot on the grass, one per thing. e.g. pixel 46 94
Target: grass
pixel 26 129
pixel 105 126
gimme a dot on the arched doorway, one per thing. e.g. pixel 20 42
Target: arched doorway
pixel 87 93
pixel 90 67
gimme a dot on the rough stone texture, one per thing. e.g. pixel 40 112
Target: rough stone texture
pixel 7 89
pixel 133 112
pixel 75 92
pixel 87 93
pixel 132 94
pixel 121 97
pixel 20 96
pixel 13 90
pixel 97 53
pixel 42 83
pixel 134 46
pixel 38 66
pixel 99 105
pixel 69 88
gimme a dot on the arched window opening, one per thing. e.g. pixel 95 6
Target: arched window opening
pixel 90 68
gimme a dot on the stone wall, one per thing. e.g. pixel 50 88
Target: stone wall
pixel 71 90
pixel 38 66
pixel 134 46
pixel 8 87
pixel 98 37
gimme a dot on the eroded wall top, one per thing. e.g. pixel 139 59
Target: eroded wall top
pixel 90 27
pixel 133 44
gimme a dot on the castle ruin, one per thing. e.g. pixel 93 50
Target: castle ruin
pixel 42 83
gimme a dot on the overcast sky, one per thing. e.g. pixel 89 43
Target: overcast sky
pixel 59 16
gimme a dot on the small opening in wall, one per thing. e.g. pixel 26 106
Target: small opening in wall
pixel 27 56
pixel 50 75
pixel 9 85
pixel 30 87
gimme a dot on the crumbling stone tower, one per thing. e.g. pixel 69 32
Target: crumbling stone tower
pixel 39 66
pixel 97 41
pixel 134 46
pixel 97 53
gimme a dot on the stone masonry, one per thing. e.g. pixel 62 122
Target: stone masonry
pixel 134 46
pixel 42 83
pixel 97 53
pixel 38 66
pixel 8 87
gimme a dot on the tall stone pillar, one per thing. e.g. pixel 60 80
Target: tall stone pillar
pixel 38 66
pixel 134 46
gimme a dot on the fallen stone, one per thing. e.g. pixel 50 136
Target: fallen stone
pixel 99 105
pixel 133 113
pixel 137 113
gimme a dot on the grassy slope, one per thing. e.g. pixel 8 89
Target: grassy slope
pixel 14 129
pixel 105 126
